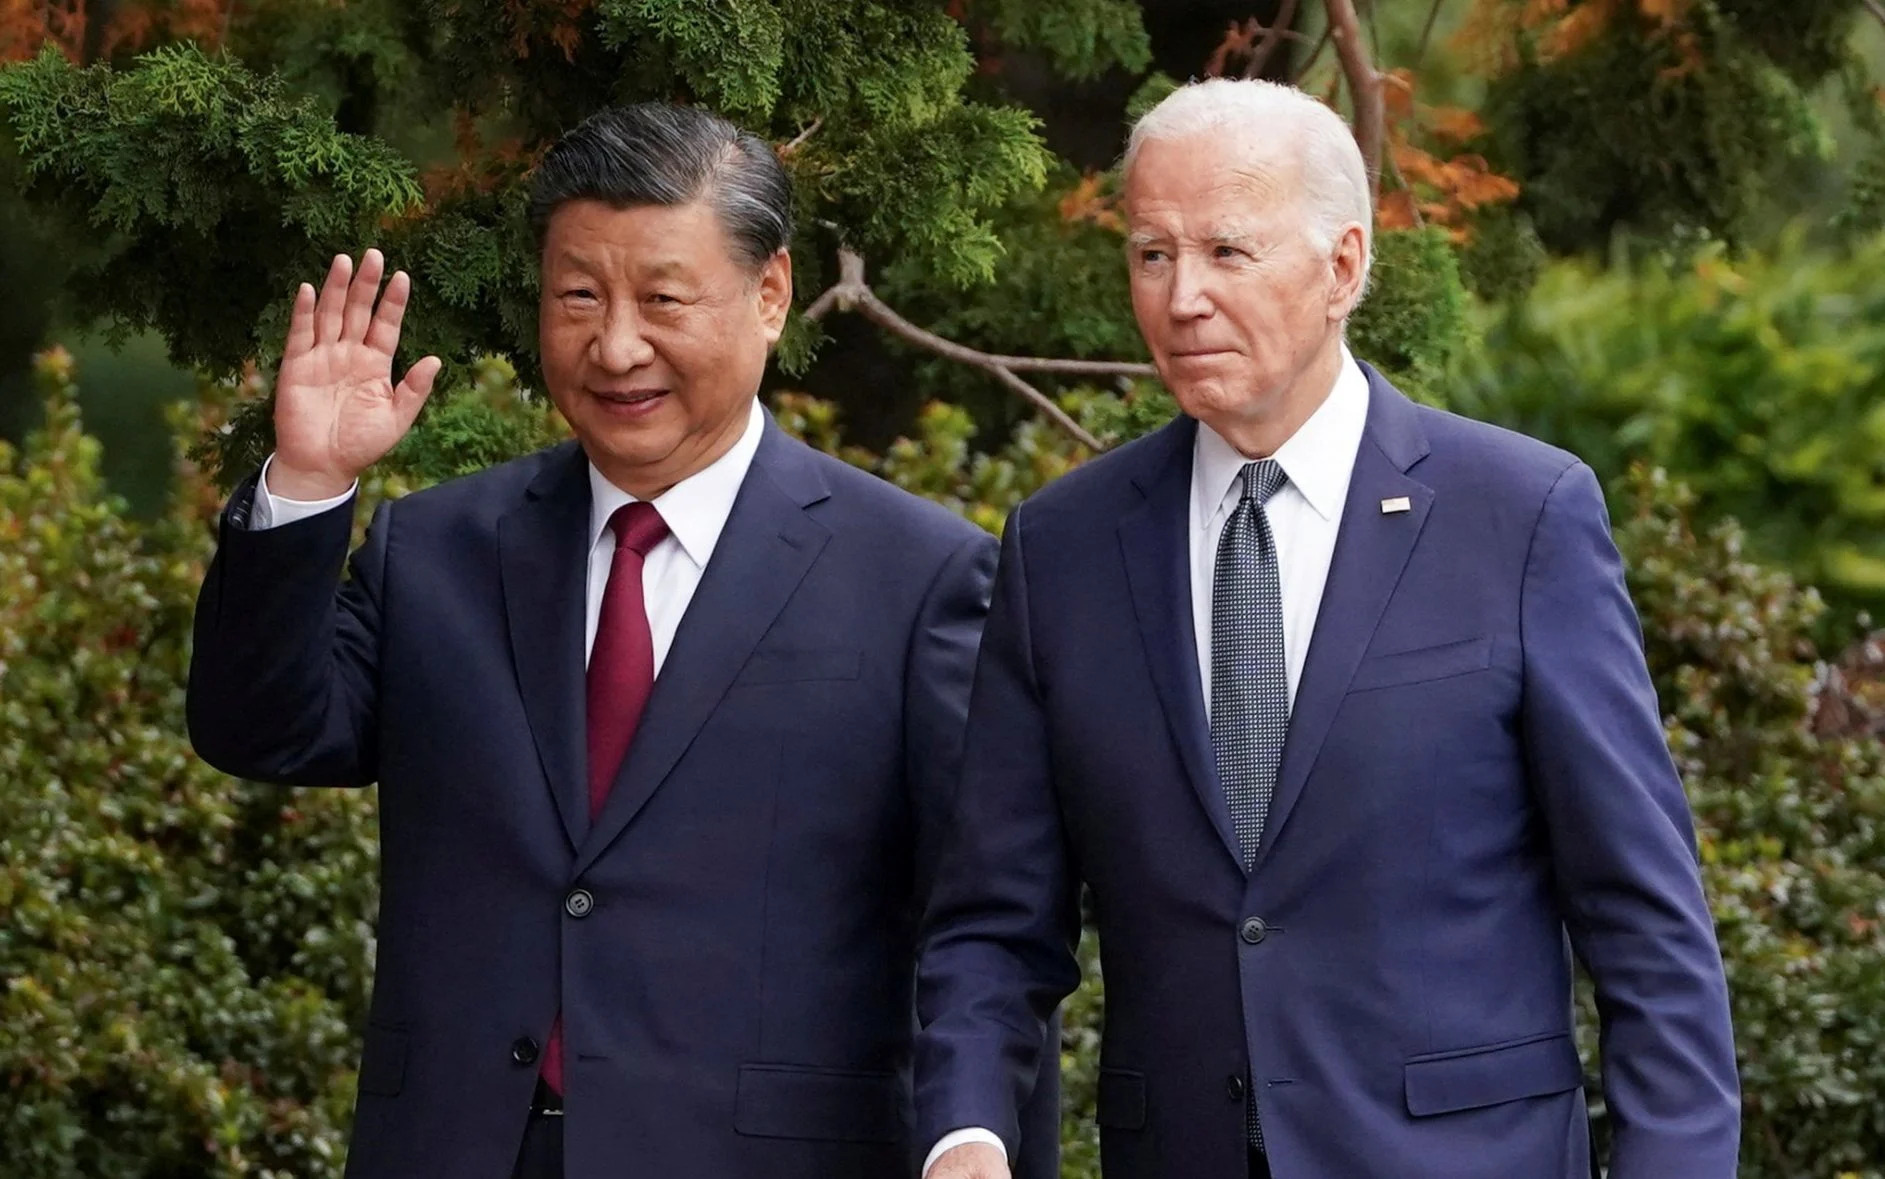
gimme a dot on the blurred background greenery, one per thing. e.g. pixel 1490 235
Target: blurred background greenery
pixel 1647 230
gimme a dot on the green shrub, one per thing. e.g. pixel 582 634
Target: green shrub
pixel 1760 383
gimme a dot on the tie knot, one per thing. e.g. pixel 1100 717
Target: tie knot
pixel 638 527
pixel 1262 480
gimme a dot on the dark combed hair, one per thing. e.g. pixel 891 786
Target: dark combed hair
pixel 655 154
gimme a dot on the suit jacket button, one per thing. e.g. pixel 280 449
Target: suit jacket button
pixel 524 1051
pixel 1234 1088
pixel 1253 930
pixel 579 903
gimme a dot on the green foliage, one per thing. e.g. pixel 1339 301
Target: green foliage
pixel 491 422
pixel 185 957
pixel 1080 40
pixel 1686 132
pixel 209 184
pixel 1413 325
pixel 223 190
pixel 1758 382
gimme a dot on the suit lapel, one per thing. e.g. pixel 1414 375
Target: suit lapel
pixel 1154 539
pixel 763 553
pixel 1371 551
pixel 543 560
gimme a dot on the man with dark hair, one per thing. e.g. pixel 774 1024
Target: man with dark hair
pixel 665 719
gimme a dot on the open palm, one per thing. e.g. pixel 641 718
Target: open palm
pixel 337 410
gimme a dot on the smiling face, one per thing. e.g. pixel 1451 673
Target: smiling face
pixel 1240 308
pixel 654 337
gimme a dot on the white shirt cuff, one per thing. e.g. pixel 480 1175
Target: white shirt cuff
pixel 957 1138
pixel 271 511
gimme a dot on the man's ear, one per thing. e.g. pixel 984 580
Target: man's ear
pixel 1349 265
pixel 775 294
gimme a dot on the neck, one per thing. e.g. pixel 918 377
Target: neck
pixel 1261 435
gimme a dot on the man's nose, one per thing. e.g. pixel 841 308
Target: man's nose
pixel 621 344
pixel 1189 297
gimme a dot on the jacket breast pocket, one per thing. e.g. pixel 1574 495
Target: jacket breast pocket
pixel 1422 665
pixel 1473 1078
pixel 833 1105
pixel 792 665
pixel 383 1061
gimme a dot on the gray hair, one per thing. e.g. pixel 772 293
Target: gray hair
pixel 1282 119
pixel 655 154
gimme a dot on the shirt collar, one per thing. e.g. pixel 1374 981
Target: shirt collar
pixel 695 509
pixel 1318 458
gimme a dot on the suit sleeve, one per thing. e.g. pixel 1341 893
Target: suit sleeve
pixel 1003 923
pixel 1622 842
pixel 284 670
pixel 941 670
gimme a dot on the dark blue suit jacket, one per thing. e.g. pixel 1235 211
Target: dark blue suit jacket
pixel 738 996
pixel 1474 785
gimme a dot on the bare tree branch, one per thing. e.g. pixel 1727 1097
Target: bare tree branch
pixel 1878 10
pixel 1315 55
pixel 1364 86
pixel 1283 25
pixel 852 293
pixel 798 140
pixel 1426 33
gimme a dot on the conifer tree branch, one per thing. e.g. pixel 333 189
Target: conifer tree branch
pixel 852 293
pixel 1364 86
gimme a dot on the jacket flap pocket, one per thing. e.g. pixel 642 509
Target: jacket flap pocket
pixel 787 665
pixel 1450 1081
pixel 1121 1100
pixel 795 1101
pixel 383 1061
pixel 1426 663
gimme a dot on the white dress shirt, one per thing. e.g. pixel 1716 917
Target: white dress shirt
pixel 1305 514
pixel 695 511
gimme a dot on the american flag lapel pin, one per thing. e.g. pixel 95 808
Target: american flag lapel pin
pixel 1399 503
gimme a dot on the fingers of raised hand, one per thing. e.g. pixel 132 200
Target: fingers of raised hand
pixel 361 294
pixel 413 391
pixel 382 333
pixel 331 310
pixel 301 322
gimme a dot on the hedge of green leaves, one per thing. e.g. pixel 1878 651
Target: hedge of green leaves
pixel 185 958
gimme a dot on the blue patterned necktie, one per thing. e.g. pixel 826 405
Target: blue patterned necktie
pixel 1249 672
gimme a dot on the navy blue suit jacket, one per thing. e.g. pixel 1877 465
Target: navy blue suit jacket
pixel 1474 784
pixel 738 996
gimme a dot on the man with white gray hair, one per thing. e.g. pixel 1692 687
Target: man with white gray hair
pixel 1338 706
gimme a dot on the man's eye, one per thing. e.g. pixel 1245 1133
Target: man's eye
pixel 1227 252
pixel 662 298
pixel 1148 257
pixel 579 293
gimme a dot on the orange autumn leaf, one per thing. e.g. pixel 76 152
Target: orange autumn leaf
pixel 26 26
pixel 1667 13
pixel 1395 210
pixel 1580 29
pixel 1454 123
pixel 1086 202
pixel 1239 39
pixel 1397 93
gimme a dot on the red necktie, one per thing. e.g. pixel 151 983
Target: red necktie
pixel 621 676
